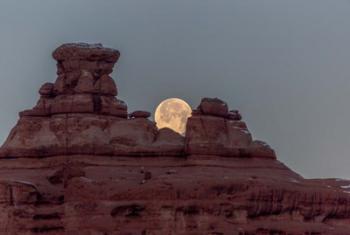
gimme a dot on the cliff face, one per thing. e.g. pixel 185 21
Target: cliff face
pixel 78 163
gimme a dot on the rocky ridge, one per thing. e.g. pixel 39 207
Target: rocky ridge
pixel 79 163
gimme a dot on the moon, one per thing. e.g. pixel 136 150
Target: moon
pixel 173 113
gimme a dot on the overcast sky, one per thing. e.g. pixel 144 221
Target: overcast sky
pixel 284 64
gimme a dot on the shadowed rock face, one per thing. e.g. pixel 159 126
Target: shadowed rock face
pixel 78 163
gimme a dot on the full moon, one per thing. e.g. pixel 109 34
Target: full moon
pixel 173 113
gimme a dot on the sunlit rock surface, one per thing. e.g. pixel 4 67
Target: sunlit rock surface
pixel 78 163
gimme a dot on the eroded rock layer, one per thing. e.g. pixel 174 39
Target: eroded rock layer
pixel 78 163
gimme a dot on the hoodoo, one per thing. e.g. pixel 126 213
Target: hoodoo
pixel 79 163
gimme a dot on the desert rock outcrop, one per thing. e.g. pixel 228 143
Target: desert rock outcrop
pixel 78 163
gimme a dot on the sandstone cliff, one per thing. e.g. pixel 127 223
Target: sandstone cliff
pixel 79 163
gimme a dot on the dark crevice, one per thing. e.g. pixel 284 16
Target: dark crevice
pixel 96 99
pixel 47 229
pixel 47 216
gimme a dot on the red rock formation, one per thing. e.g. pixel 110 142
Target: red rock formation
pixel 79 113
pixel 213 130
pixel 78 164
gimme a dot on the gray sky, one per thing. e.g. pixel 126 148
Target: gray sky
pixel 284 64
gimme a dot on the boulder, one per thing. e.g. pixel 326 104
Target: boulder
pixel 214 107
pixel 46 89
pixel 140 114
